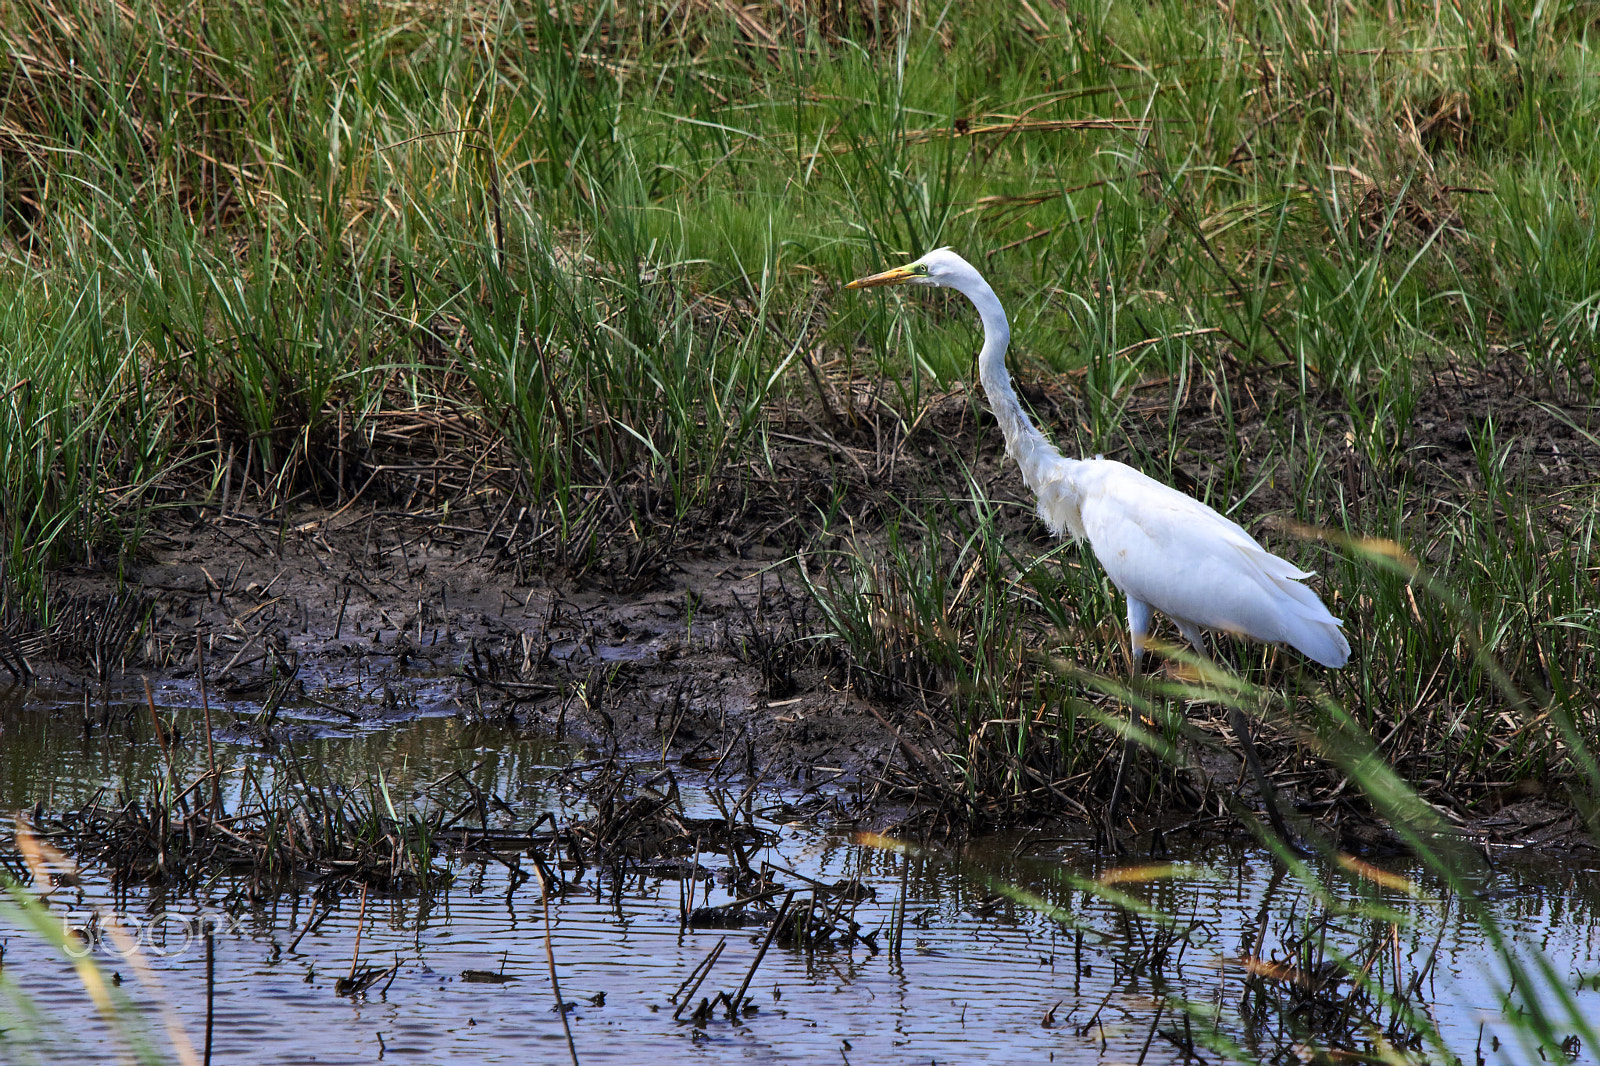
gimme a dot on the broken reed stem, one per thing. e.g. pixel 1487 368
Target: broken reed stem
pixel 692 974
pixel 165 814
pixel 693 881
pixel 702 969
pixel 211 756
pixel 550 958
pixel 783 911
pixel 361 921
pixel 897 917
pixel 161 736
pixel 211 986
pixel 310 922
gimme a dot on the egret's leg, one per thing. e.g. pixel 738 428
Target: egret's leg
pixel 1140 615
pixel 1192 634
pixel 1239 722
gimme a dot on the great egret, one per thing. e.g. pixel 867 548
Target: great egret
pixel 1166 551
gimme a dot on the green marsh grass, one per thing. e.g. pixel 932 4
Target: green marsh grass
pixel 82 432
pixel 1318 268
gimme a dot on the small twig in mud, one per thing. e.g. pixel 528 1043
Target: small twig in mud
pixel 338 626
pixel 245 648
pixel 550 958
pixel 777 920
pixel 717 769
pixel 493 528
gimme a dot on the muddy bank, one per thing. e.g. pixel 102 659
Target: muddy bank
pixel 693 639
pixel 370 613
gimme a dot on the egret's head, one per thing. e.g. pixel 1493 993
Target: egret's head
pixel 939 267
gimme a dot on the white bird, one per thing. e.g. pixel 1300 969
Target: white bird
pixel 1166 551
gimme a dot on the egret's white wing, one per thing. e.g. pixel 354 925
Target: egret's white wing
pixel 1189 562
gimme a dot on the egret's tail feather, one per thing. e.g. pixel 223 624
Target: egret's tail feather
pixel 1319 641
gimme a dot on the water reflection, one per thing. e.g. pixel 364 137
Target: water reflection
pixel 980 977
pixel 55 754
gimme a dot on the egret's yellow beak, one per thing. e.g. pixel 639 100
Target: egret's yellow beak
pixel 897 276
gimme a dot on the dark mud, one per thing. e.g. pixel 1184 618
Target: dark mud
pixel 366 613
pixel 694 640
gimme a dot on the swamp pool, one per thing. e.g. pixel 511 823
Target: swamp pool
pixel 1015 949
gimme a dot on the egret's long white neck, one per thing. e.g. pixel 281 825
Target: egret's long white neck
pixel 1037 457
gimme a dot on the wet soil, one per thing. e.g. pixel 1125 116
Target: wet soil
pixel 693 638
pixel 370 612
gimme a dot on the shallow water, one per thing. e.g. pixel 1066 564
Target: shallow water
pixel 978 979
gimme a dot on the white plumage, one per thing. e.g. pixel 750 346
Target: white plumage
pixel 1166 551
